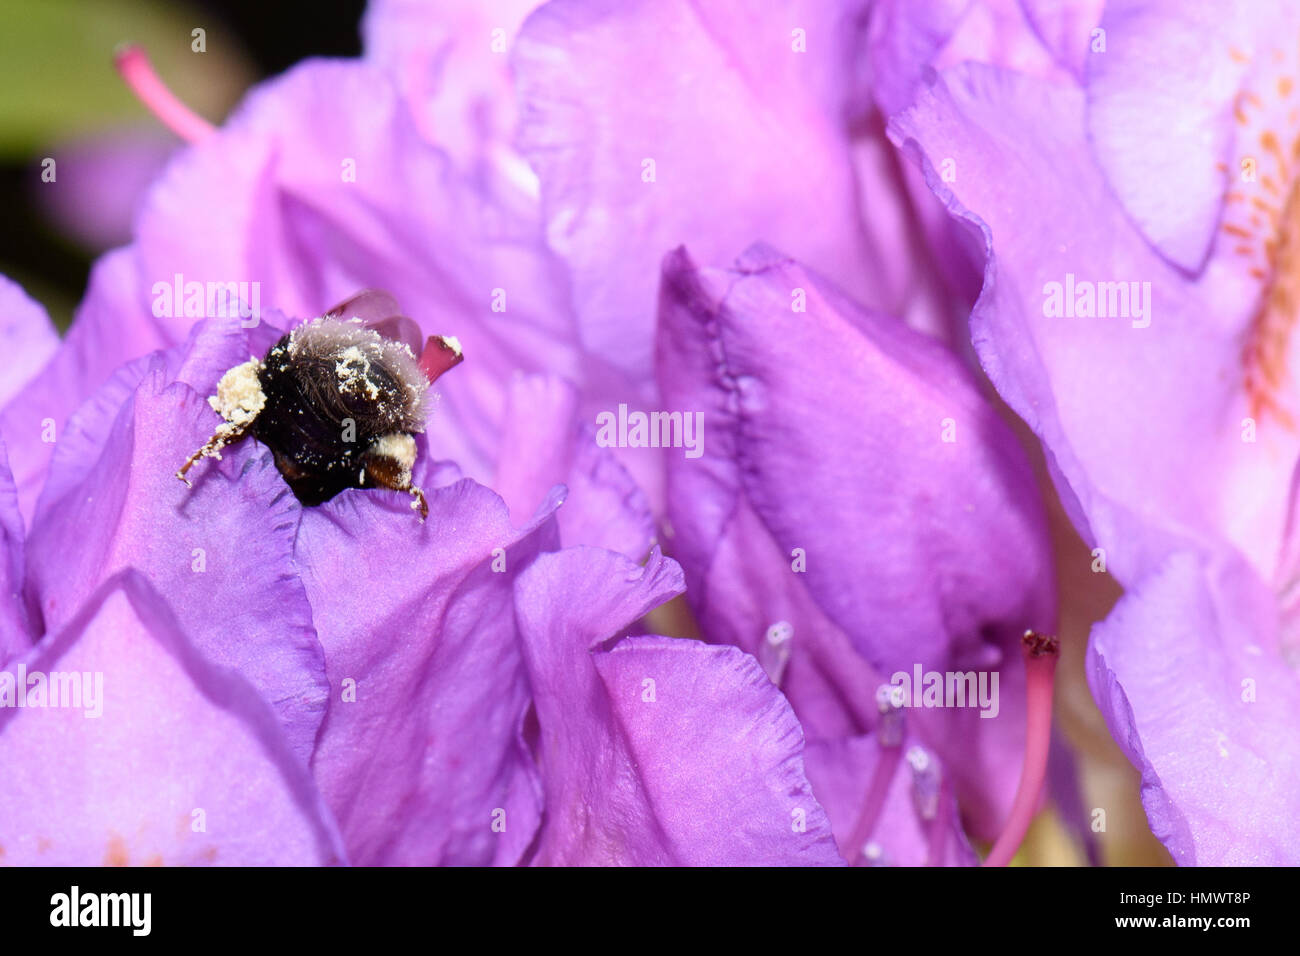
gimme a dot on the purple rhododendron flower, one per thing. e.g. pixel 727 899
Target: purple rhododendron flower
pixel 395 706
pixel 728 547
pixel 919 524
pixel 1139 322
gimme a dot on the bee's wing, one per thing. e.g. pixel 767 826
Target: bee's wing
pixel 368 305
pixel 379 311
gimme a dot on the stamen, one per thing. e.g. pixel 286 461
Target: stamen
pixel 890 699
pixel 1041 653
pixel 925 782
pixel 873 854
pixel 939 826
pixel 774 653
pixel 889 733
pixel 138 74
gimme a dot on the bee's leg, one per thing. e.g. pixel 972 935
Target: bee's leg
pixel 419 504
pixel 388 465
pixel 226 434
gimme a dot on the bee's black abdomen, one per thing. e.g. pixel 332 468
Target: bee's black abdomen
pixel 325 408
pixel 337 401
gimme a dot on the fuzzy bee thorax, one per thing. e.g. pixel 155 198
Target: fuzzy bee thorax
pixel 337 403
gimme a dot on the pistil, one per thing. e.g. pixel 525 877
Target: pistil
pixel 138 74
pixel 1041 653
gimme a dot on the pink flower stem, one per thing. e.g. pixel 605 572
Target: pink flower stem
pixel 874 802
pixel 1041 654
pixel 138 74
pixel 939 826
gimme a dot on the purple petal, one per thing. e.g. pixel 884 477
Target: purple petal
pixel 656 750
pixel 1090 387
pixel 909 36
pixel 420 756
pixel 841 773
pixel 1187 63
pixel 599 102
pixel 221 551
pixel 741 587
pixel 112 326
pixel 950 533
pixel 1066 29
pixel 15 628
pixel 100 181
pixel 307 191
pixel 542 446
pixel 1189 674
pixel 178 761
pixel 448 58
pixel 28 337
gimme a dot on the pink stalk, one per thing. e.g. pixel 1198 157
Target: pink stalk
pixel 138 74
pixel 939 826
pixel 875 801
pixel 1041 654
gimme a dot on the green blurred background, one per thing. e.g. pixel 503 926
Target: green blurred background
pixel 59 93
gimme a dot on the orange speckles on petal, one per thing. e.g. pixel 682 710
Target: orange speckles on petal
pixel 1237 55
pixel 1268 183
pixel 43 844
pixel 210 854
pixel 1269 210
pixel 1237 231
pixel 1258 273
pixel 1269 142
pixel 155 860
pixel 1265 349
pixel 116 854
